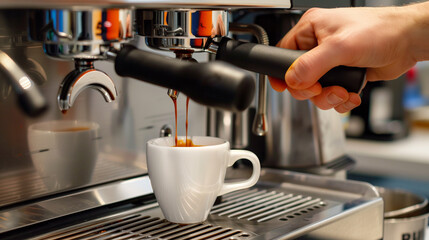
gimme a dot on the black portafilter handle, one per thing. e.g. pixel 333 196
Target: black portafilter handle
pixel 214 84
pixel 274 62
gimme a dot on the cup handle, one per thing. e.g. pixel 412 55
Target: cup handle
pixel 233 157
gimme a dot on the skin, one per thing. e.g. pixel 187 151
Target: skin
pixel 387 41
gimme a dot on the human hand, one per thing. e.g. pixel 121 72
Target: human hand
pixel 383 40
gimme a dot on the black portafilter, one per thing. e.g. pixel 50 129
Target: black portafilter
pixel 214 84
pixel 274 62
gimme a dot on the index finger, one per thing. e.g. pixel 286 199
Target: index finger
pixel 300 37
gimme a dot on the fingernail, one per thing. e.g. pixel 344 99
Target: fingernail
pixel 290 76
pixel 307 93
pixel 334 99
pixel 350 105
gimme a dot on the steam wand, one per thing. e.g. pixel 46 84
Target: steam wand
pixel 29 97
pixel 260 124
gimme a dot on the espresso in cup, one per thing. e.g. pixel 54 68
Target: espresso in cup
pixel 186 143
pixel 187 180
pixel 72 129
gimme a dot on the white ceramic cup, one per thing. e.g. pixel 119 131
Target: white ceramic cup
pixel 64 152
pixel 187 180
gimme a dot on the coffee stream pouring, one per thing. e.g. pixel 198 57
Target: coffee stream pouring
pixel 207 31
pixel 89 34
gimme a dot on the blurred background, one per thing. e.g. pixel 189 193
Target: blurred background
pixel 388 135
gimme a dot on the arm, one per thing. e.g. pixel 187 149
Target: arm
pixel 387 41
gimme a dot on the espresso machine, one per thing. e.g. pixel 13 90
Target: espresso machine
pixel 117 65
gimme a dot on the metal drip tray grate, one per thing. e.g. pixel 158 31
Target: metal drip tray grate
pixel 263 205
pixel 259 205
pixel 282 205
pixel 141 226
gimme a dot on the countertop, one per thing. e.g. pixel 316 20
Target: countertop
pixel 407 158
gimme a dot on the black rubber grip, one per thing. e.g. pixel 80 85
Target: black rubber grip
pixel 215 84
pixel 274 62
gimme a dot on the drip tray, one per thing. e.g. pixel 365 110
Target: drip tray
pixel 283 205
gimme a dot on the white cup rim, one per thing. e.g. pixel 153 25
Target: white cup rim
pixel 218 142
pixel 55 125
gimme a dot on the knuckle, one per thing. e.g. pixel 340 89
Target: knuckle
pixel 310 13
pixel 297 95
pixel 343 44
pixel 348 51
pixel 300 94
pixel 341 109
pixel 321 104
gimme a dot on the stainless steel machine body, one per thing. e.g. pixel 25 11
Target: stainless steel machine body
pixel 119 190
pixel 181 29
pixel 283 205
pixel 293 127
pixel 125 124
pixel 80 34
pixel 296 127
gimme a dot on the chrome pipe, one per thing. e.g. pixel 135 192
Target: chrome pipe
pixel 29 97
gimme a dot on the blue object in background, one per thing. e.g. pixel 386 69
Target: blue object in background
pixel 413 97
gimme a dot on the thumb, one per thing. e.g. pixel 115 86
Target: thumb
pixel 311 66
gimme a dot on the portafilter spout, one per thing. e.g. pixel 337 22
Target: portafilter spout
pixel 83 77
pixel 82 36
pixel 185 56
